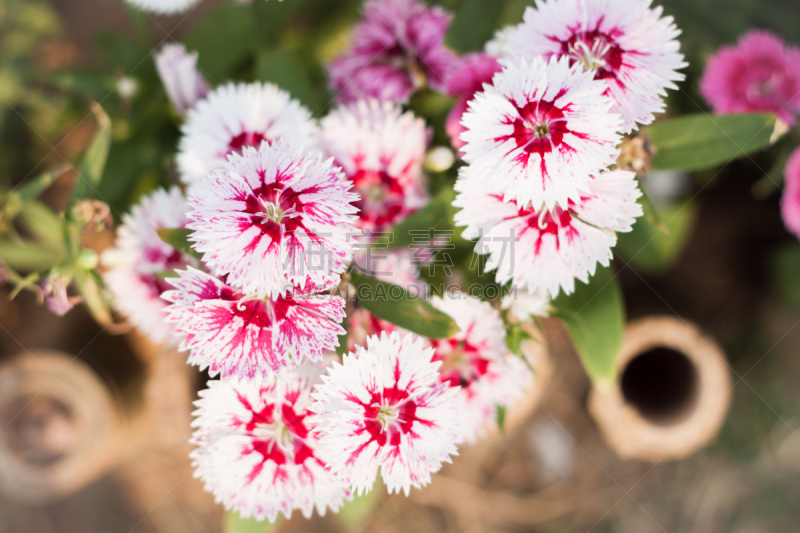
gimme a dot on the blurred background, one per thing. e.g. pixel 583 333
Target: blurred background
pixel 727 265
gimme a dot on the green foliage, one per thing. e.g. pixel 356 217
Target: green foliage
pixel 236 524
pixel 784 267
pixel 224 40
pixel 286 70
pixel 94 160
pixel 355 513
pixel 396 305
pixel 697 142
pixel 473 24
pixel 178 238
pixel 436 217
pixel 657 240
pixel 594 317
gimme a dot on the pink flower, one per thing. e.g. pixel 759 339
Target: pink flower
pixel 177 69
pixel 54 288
pixel 545 250
pixel 396 49
pixel 273 218
pixel 790 202
pixel 477 362
pixel 236 116
pixel 475 70
pixel 136 264
pixel 384 408
pixel 242 336
pixel 540 130
pixel 257 451
pixel 760 73
pixel 623 42
pixel 380 149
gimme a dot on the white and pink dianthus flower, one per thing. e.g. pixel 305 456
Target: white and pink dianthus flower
pixel 164 7
pixel 274 217
pixel 236 116
pixel 759 73
pixel 545 250
pixel 477 362
pixel 236 335
pixel 475 70
pixel 397 49
pixel 380 149
pixel 257 451
pixel 540 131
pixel 625 43
pixel 384 408
pixel 137 263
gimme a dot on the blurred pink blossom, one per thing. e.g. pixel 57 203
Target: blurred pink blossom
pixel 475 70
pixel 790 203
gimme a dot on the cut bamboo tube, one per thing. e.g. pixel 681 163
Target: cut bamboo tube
pixel 60 426
pixel 671 394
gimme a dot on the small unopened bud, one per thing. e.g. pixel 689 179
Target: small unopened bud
pixel 87 260
pixel 184 84
pixel 439 159
pixel 635 155
pixel 93 214
pixel 127 88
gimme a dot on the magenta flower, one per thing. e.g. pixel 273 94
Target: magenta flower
pixel 475 70
pixel 136 264
pixel 242 336
pixel 273 218
pixel 380 149
pixel 760 73
pixel 257 451
pixel 540 131
pixel 790 202
pixel 384 407
pixel 629 46
pixel 396 49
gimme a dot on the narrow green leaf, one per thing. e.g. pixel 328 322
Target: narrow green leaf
pixel 45 226
pixel 594 317
pixel 436 216
pixel 698 142
pixel 501 419
pixel 236 524
pixel 515 336
pixel 394 304
pixel 27 256
pixel 94 160
pixel 655 243
pixel 90 288
pixel 178 238
pixel 356 512
pixel 473 24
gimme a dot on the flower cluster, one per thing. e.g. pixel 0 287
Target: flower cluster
pixel 276 204
pixel 540 139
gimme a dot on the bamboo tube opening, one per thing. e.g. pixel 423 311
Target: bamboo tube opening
pixel 59 423
pixel 671 394
pixel 662 385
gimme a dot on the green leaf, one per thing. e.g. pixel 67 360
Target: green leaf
pixel 178 238
pixel 283 68
pixel 437 216
pixel 45 226
pixel 356 512
pixel 501 419
pixel 224 40
pixel 656 241
pixel 698 142
pixel 515 336
pixel 594 317
pixel 119 52
pixel 236 524
pixel 90 286
pixel 473 24
pixel 27 256
pixel 394 304
pixel 94 160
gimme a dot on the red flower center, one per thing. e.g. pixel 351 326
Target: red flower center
pixel 246 138
pixel 382 199
pixel 595 50
pixel 540 127
pixel 462 362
